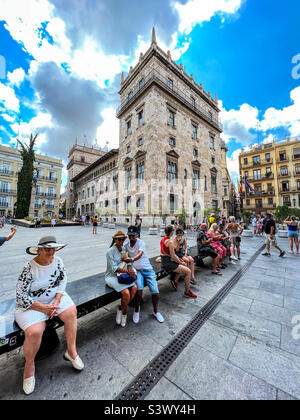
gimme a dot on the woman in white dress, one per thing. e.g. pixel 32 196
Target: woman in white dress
pixel 40 296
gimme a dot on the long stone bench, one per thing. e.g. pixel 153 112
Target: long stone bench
pixel 88 294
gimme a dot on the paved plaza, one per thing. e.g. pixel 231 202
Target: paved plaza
pixel 248 348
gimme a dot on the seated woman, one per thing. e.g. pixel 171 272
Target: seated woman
pixel 206 250
pixel 41 296
pixel 215 243
pixel 227 244
pixel 115 266
pixel 180 248
pixel 170 262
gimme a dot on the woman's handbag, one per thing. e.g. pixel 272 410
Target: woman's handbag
pixel 125 278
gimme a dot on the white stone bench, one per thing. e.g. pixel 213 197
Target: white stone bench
pixel 152 231
pixel 111 226
pixel 283 233
pixel 105 225
pixel 247 233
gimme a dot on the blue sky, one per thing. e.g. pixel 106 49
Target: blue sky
pixel 64 62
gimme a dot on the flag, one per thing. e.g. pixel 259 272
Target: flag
pixel 240 188
pixel 247 185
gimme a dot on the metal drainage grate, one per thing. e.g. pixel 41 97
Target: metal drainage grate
pixel 145 381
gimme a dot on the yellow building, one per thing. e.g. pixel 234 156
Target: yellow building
pixel 48 182
pixel 273 171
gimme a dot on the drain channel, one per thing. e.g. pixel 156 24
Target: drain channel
pixel 145 381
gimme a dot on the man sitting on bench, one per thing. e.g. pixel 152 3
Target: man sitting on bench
pixel 206 250
pixel 137 256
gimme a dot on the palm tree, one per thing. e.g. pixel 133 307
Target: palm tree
pixel 25 177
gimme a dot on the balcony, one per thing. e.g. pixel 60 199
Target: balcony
pixel 285 190
pixel 37 206
pixel 6 172
pixel 49 206
pixel 3 204
pixel 284 175
pixel 296 157
pixel 51 179
pixel 39 194
pixel 8 192
pixel 281 160
pixel 257 164
pixel 256 194
pixel 262 178
pixel 155 77
pixel 50 195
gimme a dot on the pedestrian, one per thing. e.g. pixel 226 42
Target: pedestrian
pixel 171 263
pixel 87 219
pixel 8 237
pixel 137 255
pixel 270 231
pixel 206 250
pixel 292 225
pixel 138 224
pixel 120 276
pixel 95 224
pixel 254 225
pixel 259 226
pixel 53 220
pixel 40 296
pixel 211 220
pixel 181 250
pixel 83 220
pixel 235 231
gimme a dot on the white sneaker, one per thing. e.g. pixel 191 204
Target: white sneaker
pixel 76 363
pixel 118 317
pixel 29 385
pixel 124 320
pixel 291 252
pixel 159 317
pixel 232 262
pixel 234 258
pixel 136 317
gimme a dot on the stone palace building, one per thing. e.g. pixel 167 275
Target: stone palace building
pixel 170 156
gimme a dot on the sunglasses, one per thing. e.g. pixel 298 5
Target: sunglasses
pixel 120 239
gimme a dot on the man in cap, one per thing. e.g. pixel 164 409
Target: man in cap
pixel 270 231
pixel 138 257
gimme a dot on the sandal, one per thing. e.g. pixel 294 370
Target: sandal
pixel 174 284
pixel 217 273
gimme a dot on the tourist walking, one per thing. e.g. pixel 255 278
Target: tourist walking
pixel 235 231
pixel 137 255
pixel 95 224
pixel 171 263
pixel 292 225
pixel 254 225
pixel 270 231
pixel 40 296
pixel 120 276
pixel 8 237
pixel 206 250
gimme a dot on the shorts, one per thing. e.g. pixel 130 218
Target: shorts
pixel 292 233
pixel 270 241
pixel 30 317
pixel 95 224
pixel 150 277
pixel 168 264
pixel 236 240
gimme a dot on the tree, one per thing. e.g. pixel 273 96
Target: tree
pixel 25 178
pixel 64 208
pixel 282 212
pixel 182 215
pixel 246 216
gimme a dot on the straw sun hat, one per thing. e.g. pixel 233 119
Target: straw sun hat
pixel 45 242
pixel 119 234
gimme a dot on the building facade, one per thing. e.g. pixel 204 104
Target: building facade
pixel 46 200
pixel 273 171
pixel 171 156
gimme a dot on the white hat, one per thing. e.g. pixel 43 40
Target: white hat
pixel 45 242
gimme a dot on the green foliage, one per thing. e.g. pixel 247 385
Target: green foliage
pixel 246 216
pixel 182 215
pixel 282 212
pixel 64 209
pixel 25 178
pixel 207 212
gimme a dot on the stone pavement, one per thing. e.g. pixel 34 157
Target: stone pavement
pixel 248 349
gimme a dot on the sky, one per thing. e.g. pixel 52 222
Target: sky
pixel 61 65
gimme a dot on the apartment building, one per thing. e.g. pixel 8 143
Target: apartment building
pixel 48 174
pixel 273 171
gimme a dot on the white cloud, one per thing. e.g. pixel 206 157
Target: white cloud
pixel 288 117
pixel 16 77
pixel 108 131
pixel 233 164
pixel 8 118
pixel 197 11
pixel 8 98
